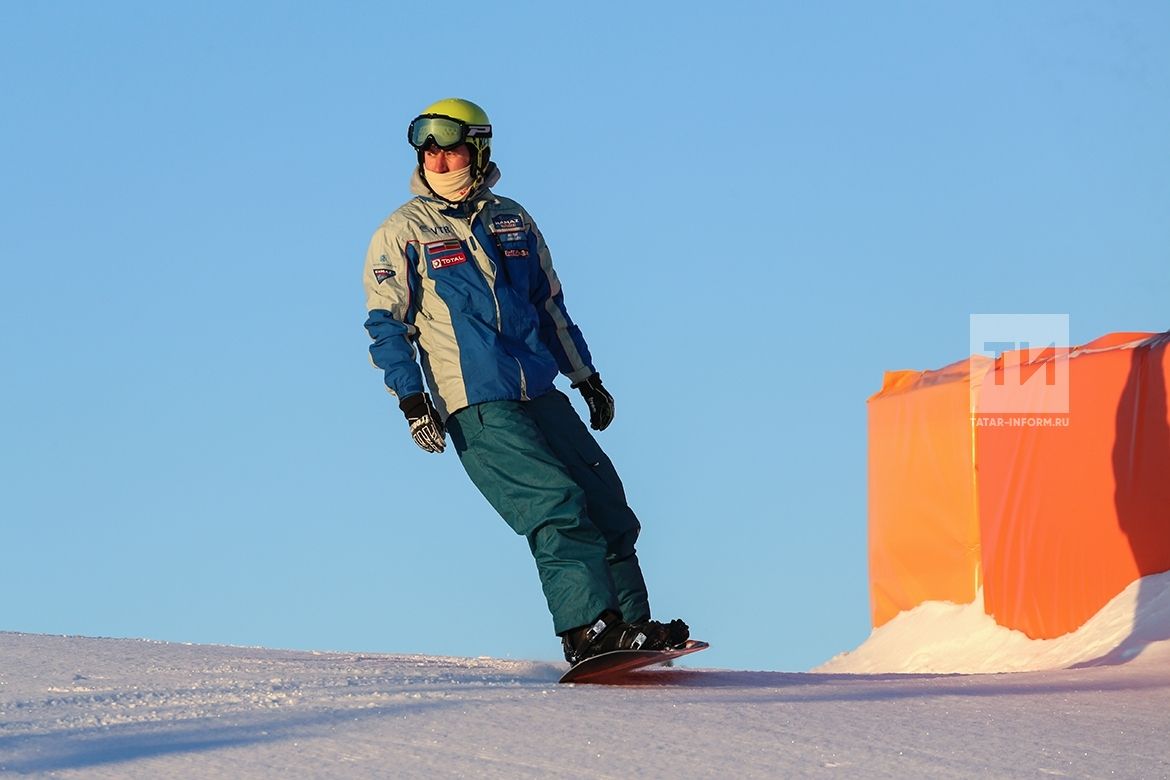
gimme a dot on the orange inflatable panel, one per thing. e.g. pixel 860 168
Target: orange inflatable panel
pixel 923 524
pixel 1071 514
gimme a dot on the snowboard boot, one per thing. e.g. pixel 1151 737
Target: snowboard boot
pixel 609 632
pixel 664 636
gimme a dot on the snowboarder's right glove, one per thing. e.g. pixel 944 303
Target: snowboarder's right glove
pixel 599 401
pixel 425 425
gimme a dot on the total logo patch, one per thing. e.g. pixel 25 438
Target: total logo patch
pixel 447 262
pixel 444 254
pixel 382 274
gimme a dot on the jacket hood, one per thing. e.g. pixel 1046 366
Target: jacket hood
pixel 420 188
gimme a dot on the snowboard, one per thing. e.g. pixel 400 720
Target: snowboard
pixel 617 663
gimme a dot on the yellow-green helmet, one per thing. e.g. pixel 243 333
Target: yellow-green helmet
pixel 471 126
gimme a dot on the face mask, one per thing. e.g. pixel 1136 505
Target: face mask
pixel 453 185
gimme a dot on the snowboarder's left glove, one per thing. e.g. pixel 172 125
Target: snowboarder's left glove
pixel 425 425
pixel 598 399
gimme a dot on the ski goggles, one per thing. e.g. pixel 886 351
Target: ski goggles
pixel 443 131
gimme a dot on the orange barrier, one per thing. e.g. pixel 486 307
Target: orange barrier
pixel 923 527
pixel 1072 515
pixel 1055 519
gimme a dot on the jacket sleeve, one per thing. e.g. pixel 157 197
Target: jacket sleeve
pixel 558 332
pixel 390 288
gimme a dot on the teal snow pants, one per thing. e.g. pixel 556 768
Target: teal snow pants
pixel 537 464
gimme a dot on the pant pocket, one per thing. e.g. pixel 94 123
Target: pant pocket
pixel 465 426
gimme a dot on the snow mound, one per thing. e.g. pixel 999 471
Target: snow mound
pixel 941 637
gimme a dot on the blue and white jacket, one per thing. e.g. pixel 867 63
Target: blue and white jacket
pixel 473 286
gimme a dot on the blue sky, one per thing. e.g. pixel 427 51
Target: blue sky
pixel 755 210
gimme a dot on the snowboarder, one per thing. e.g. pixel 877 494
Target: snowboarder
pixel 465 276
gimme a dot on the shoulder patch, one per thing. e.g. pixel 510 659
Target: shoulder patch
pixel 503 223
pixel 382 274
pixel 511 235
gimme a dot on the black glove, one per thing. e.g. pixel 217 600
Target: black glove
pixel 598 399
pixel 425 425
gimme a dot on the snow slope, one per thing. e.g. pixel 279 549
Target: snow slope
pixel 80 707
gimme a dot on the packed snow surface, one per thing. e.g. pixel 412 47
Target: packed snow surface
pixel 82 707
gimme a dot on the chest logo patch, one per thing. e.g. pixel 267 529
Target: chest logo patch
pixel 502 223
pixel 444 254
